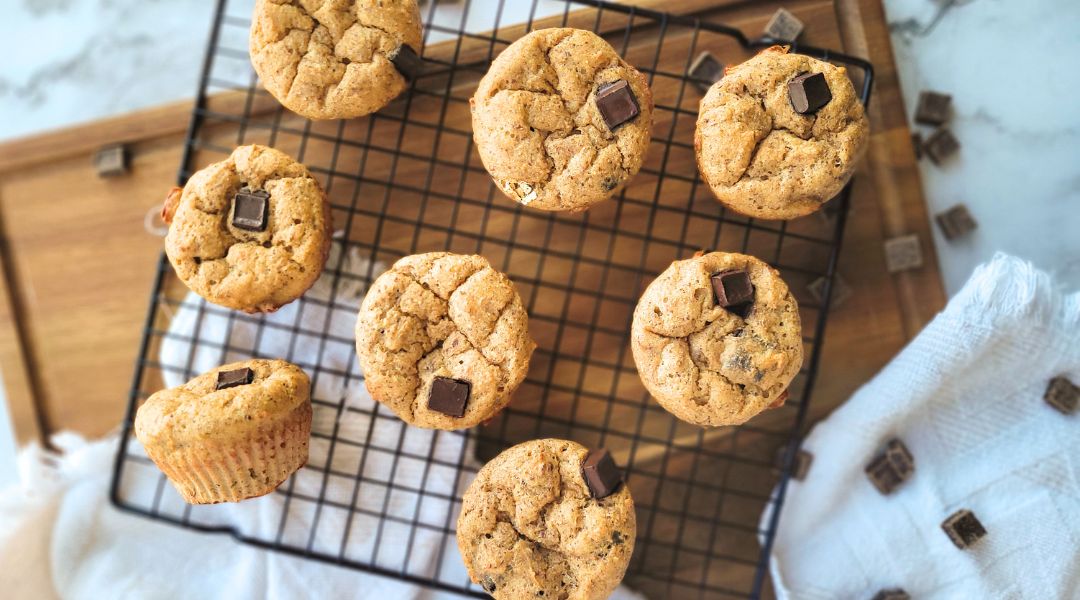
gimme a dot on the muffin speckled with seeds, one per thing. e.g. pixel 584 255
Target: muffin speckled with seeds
pixel 547 519
pixel 780 135
pixel 561 121
pixel 336 60
pixel 717 338
pixel 251 232
pixel 235 432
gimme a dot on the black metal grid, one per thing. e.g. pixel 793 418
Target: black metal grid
pixel 408 180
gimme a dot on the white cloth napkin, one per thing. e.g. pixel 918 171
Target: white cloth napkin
pixel 966 398
pixel 61 536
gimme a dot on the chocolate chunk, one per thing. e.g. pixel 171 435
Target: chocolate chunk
pixel 488 584
pixel 1063 395
pixel 891 468
pixel 933 108
pixel 111 161
pixel 407 62
pixel 808 92
pixel 705 71
pixel 916 143
pixel 616 537
pixel 955 222
pixel 600 473
pixel 800 467
pixel 963 528
pixel 449 396
pixel 616 103
pixel 238 377
pixel 903 253
pixel 941 145
pixel 841 291
pixel 250 209
pixel 733 291
pixel 892 594
pixel 783 26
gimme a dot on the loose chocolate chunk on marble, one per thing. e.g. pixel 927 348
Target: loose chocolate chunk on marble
pixel 933 108
pixel 111 161
pixel 955 222
pixel 449 396
pixel 250 209
pixel 783 26
pixel 705 71
pixel 733 290
pixel 941 145
pixel 963 528
pixel 617 103
pixel 1063 395
pixel 234 378
pixel 809 92
pixel 891 468
pixel 407 62
pixel 903 253
pixel 892 594
pixel 600 473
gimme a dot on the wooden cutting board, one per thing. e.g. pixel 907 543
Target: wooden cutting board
pixel 78 264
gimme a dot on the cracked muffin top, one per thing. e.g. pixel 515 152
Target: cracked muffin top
pixel 764 159
pixel 711 364
pixel 529 527
pixel 249 233
pixel 443 340
pixel 333 59
pixel 540 130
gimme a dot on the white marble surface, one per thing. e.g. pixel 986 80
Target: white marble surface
pixel 1011 69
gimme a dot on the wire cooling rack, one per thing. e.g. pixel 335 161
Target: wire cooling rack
pixel 381 497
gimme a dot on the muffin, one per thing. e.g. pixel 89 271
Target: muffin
pixel 547 519
pixel 233 433
pixel 251 232
pixel 780 135
pixel 561 121
pixel 717 339
pixel 336 60
pixel 443 340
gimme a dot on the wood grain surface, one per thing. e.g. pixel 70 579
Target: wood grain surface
pixel 78 265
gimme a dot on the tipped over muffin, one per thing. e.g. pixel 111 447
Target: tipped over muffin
pixel 232 433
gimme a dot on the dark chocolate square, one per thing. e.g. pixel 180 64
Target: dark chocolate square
pixel 449 396
pixel 251 209
pixel 234 378
pixel 941 145
pixel 903 253
pixel 809 92
pixel 1063 395
pixel 705 71
pixel 407 62
pixel 963 528
pixel 601 475
pixel 891 468
pixel 111 161
pixel 933 108
pixel 955 222
pixel 617 103
pixel 892 594
pixel 783 26
pixel 801 465
pixel 733 290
